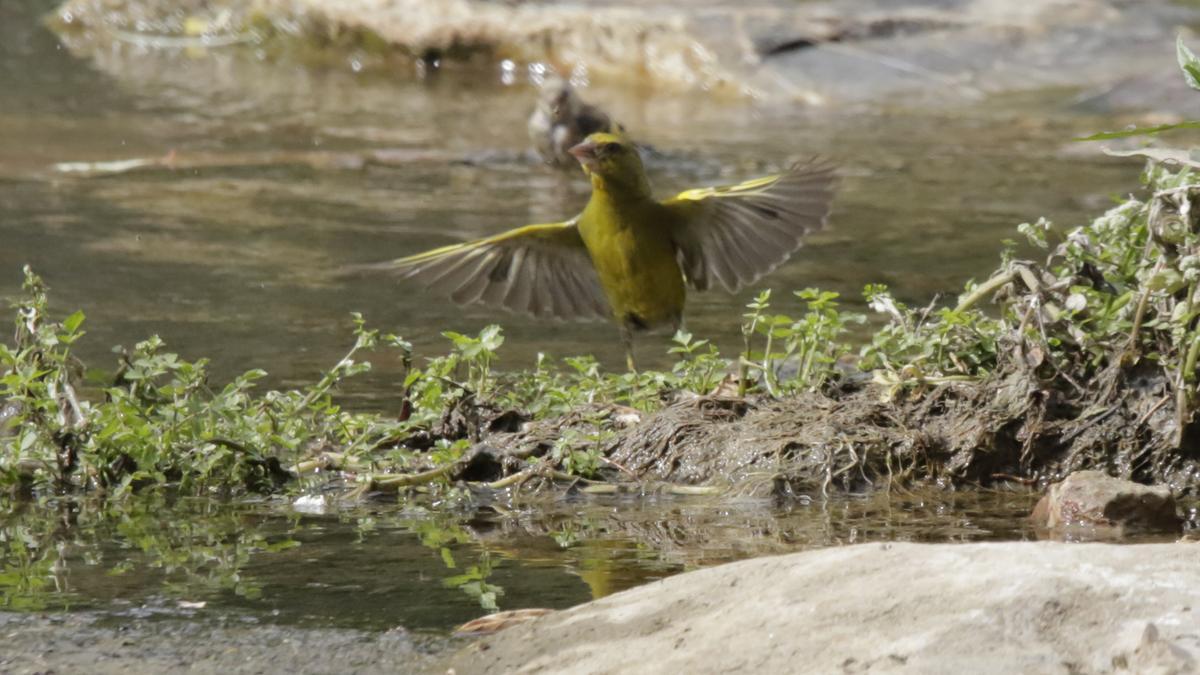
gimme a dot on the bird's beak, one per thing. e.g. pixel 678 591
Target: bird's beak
pixel 585 152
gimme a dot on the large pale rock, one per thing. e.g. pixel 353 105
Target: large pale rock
pixel 1093 499
pixel 883 608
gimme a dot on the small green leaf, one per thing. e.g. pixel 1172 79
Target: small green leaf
pixel 71 323
pixel 1188 63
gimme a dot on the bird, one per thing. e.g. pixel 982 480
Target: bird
pixel 627 256
pixel 562 120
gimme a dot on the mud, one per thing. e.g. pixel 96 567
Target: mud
pixel 1015 427
pixel 1008 426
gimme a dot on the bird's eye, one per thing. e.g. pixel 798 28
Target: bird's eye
pixel 610 148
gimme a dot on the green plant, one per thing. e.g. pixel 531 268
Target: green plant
pixel 750 323
pixel 700 366
pixel 160 422
pixel 928 345
pixel 798 354
pixel 478 353
pixel 579 451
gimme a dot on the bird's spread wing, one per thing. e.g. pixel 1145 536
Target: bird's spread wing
pixel 738 233
pixel 543 270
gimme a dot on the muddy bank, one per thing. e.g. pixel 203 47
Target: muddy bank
pixel 966 433
pixel 983 608
pixel 815 442
pixel 806 52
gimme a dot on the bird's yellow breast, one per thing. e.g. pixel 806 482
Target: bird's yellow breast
pixel 631 247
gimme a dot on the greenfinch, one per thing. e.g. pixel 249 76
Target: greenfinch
pixel 628 256
pixel 562 120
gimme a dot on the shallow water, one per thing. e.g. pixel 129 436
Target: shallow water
pixel 380 566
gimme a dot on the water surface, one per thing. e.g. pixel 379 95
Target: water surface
pixel 379 566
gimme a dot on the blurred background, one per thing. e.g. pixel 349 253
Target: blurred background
pixel 202 169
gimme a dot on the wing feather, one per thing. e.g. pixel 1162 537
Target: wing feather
pixel 542 270
pixel 734 235
pixel 543 296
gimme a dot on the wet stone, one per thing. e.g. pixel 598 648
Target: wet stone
pixel 1093 499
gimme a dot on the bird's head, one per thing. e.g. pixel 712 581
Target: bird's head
pixel 558 100
pixel 612 162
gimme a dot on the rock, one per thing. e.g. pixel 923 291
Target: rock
pixel 810 52
pixel 1019 607
pixel 1092 499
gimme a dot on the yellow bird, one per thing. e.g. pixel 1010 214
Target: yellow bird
pixel 629 256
